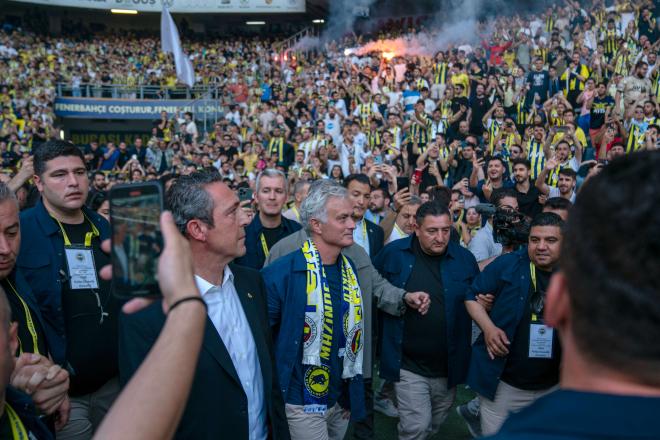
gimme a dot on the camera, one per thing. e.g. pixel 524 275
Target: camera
pixel 510 228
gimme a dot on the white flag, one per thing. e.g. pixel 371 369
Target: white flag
pixel 170 42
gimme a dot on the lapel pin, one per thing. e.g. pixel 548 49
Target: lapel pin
pixel 249 295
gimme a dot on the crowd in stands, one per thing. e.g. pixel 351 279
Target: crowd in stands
pixel 519 116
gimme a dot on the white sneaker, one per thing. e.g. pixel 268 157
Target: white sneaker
pixel 386 407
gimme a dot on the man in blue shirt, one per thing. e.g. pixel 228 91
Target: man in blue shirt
pixel 18 416
pixel 427 356
pixel 605 305
pixel 315 311
pixel 516 359
pixel 61 243
pixel 269 225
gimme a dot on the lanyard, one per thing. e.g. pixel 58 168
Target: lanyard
pixel 264 245
pixel 364 231
pixel 17 428
pixel 532 274
pixel 88 236
pixel 401 233
pixel 28 318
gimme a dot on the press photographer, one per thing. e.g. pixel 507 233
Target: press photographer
pixel 505 230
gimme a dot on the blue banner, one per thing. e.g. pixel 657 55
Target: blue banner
pixel 98 108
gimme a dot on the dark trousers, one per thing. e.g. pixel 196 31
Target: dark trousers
pixel 364 429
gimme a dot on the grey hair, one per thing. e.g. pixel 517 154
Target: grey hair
pixel 315 205
pixel 7 194
pixel 272 172
pixel 188 198
pixel 415 200
pixel 299 186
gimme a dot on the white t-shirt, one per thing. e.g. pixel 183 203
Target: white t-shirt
pixel 554 192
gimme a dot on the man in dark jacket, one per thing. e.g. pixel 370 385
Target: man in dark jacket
pixel 235 393
pixel 427 369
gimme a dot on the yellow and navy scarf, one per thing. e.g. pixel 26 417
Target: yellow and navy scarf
pixel 318 332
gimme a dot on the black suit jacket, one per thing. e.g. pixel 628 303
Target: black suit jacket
pixel 376 238
pixel 217 406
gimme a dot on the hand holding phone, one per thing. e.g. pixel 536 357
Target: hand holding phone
pixel 244 194
pixel 136 238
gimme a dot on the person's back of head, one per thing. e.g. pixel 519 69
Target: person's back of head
pixel 609 260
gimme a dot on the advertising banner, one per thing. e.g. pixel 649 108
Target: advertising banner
pixel 184 6
pixel 90 108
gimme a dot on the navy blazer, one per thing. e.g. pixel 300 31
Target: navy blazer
pixel 23 289
pixel 41 261
pixel 508 279
pixel 27 412
pixel 458 269
pixel 376 237
pixel 254 256
pixel 286 286
pixel 217 406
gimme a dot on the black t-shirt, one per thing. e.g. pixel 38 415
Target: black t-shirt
pixel 273 235
pixel 91 347
pixel 424 345
pixel 19 314
pixel 97 155
pixel 9 158
pixel 124 157
pixel 456 104
pixel 527 373
pixel 598 109
pixel 427 178
pixel 479 106
pixel 528 203
pixel 463 169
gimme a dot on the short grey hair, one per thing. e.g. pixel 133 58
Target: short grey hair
pixel 415 200
pixel 272 172
pixel 188 198
pixel 7 194
pixel 316 203
pixel 299 186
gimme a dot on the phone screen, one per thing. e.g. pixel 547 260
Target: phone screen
pixel 136 238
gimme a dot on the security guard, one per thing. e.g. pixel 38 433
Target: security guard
pixel 60 256
pixel 516 358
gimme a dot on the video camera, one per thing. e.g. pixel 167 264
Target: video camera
pixel 510 228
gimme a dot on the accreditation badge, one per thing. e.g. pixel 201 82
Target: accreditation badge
pixel 82 270
pixel 540 341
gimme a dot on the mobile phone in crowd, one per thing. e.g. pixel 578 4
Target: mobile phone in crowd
pixel 244 194
pixel 136 238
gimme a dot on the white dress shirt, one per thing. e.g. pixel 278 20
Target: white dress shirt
pixel 226 313
pixel 360 235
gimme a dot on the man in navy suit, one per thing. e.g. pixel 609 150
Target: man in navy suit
pixel 235 392
pixel 366 233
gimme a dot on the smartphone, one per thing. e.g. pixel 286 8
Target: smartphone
pixel 562 129
pixel 378 159
pixel 136 238
pixel 244 194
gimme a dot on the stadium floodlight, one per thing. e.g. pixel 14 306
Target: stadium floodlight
pixel 255 23
pixel 124 11
pixel 318 21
